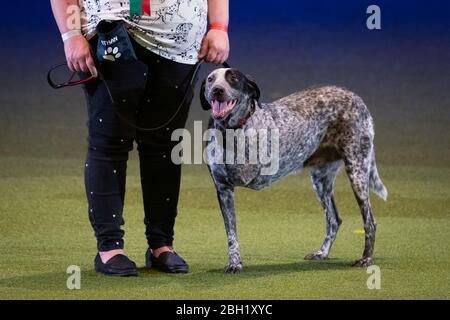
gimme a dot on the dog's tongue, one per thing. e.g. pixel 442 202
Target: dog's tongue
pixel 220 108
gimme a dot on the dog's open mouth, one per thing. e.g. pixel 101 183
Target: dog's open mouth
pixel 221 108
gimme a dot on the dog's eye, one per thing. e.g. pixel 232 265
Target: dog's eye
pixel 232 77
pixel 210 79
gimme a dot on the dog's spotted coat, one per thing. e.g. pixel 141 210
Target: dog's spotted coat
pixel 320 128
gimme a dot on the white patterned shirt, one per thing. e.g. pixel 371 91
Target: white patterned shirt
pixel 173 30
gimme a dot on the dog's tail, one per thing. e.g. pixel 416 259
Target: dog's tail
pixel 375 182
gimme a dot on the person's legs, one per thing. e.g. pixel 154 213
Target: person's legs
pixel 109 142
pixel 160 177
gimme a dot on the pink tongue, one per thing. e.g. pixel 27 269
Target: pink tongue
pixel 221 108
pixel 218 106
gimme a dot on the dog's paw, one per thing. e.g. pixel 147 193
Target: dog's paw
pixel 363 263
pixel 233 268
pixel 317 255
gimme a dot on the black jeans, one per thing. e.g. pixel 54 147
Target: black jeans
pixel 110 140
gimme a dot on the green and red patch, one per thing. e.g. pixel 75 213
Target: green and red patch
pixel 140 7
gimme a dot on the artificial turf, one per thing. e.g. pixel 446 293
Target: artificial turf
pixel 400 75
pixel 45 229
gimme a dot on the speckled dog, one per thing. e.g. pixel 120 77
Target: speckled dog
pixel 320 128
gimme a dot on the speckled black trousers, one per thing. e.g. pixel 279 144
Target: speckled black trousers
pixel 110 140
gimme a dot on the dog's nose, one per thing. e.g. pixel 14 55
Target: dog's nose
pixel 218 91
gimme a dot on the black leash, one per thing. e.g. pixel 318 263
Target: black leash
pixel 116 109
pixel 190 86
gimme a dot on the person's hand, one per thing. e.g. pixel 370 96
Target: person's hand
pixel 79 56
pixel 215 47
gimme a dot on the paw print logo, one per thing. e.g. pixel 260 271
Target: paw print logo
pixel 112 54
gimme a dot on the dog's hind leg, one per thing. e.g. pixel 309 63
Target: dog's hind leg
pixel 357 165
pixel 225 194
pixel 323 180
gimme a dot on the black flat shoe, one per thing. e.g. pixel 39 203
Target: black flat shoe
pixel 169 262
pixel 119 265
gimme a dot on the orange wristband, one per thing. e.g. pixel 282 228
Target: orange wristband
pixel 218 26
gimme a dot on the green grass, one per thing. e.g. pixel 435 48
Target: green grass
pixel 44 229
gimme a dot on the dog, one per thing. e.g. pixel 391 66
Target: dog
pixel 321 128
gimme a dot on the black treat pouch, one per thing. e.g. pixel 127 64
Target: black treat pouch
pixel 123 74
pixel 114 43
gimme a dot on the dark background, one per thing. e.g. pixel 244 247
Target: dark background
pixel 401 71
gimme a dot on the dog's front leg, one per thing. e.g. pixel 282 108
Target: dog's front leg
pixel 225 194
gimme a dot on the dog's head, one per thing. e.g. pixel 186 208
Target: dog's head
pixel 229 94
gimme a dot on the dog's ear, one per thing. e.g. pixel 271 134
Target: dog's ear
pixel 203 102
pixel 253 88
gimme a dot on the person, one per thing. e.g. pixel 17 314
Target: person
pixel 169 36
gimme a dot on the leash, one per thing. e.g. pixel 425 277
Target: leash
pixel 190 86
pixel 116 109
